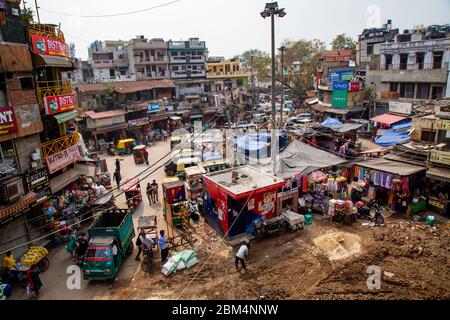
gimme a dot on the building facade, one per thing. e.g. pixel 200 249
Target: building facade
pixel 109 60
pixel 225 74
pixel 149 59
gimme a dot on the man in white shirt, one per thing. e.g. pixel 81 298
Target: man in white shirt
pixel 241 254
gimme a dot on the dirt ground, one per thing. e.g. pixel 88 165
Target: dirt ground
pixel 324 261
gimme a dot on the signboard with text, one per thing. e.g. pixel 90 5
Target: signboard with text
pixel 138 122
pixel 340 85
pixel 62 159
pixel 355 86
pixel 8 122
pixel 400 107
pixel 339 100
pixel 49 46
pixel 342 75
pixel 39 183
pixel 58 104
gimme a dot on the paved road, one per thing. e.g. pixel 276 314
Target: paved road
pixel 55 278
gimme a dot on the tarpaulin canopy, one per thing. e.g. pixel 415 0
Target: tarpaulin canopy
pixel 388 119
pixel 394 167
pixel 347 127
pixel 253 142
pixel 402 126
pixel 302 158
pixel 392 138
pixel 331 123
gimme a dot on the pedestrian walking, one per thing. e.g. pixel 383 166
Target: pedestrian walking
pixel 166 135
pixel 139 242
pixel 149 193
pixel 117 178
pixel 154 188
pixel 146 156
pixel 163 245
pixel 118 165
pixel 34 280
pixel 72 244
pixel 241 254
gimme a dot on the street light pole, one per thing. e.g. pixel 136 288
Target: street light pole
pixel 282 49
pixel 271 10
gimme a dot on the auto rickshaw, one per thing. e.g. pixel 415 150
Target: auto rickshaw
pixel 139 154
pixel 174 141
pixel 194 181
pixel 125 146
pixel 133 194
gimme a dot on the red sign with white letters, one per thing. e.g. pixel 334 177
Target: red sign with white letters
pixel 58 104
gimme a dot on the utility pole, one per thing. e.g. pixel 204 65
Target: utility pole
pixel 429 147
pixel 282 49
pixel 37 11
pixel 252 58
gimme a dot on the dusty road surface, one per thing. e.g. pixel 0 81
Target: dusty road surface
pixel 324 261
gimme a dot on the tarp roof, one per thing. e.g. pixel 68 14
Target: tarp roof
pixel 302 158
pixel 394 167
pixel 103 115
pixel 391 138
pixel 388 119
pixel 347 127
pixel 331 123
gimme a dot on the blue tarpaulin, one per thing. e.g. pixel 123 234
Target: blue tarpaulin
pixel 402 126
pixel 331 123
pixel 391 138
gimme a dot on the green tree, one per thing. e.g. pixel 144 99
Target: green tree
pixel 343 42
pixel 111 98
pixel 258 61
pixel 26 15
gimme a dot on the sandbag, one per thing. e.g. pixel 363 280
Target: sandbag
pixel 181 266
pixel 187 255
pixel 168 267
pixel 192 262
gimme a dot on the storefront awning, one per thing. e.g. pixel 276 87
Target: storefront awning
pixel 388 119
pixel 63 180
pixel 116 127
pixel 8 212
pixel 175 118
pixel 439 174
pixel 394 167
pixel 156 118
pixel 41 61
pixel 66 116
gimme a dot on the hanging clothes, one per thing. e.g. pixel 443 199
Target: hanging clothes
pixel 305 184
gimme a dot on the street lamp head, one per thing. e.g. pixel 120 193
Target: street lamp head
pixel 281 13
pixel 265 14
pixel 272 6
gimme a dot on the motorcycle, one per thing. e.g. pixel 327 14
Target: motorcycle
pixel 110 149
pixel 271 227
pixel 193 210
pixel 366 212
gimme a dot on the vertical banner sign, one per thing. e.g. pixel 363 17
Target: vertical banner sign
pixel 8 122
pixel 49 46
pixel 339 100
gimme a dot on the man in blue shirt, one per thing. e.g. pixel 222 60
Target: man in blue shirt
pixel 163 245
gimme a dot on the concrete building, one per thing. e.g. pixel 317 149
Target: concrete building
pixel 83 72
pixel 225 74
pixel 416 65
pixel 188 66
pixel 148 59
pixel 109 61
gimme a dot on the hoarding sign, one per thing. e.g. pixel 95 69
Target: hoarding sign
pixel 8 122
pixel 138 122
pixel 154 107
pixel 340 85
pixel 49 46
pixel 62 159
pixel 355 86
pixel 400 107
pixel 444 125
pixel 339 100
pixel 342 75
pixel 58 104
pixel 39 183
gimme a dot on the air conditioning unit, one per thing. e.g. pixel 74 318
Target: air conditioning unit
pixel 11 190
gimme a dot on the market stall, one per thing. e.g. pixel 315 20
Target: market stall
pixel 436 190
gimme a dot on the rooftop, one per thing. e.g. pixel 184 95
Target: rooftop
pixel 244 179
pixel 126 86
pixel 102 115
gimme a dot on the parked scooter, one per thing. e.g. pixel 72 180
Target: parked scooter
pixel 193 210
pixel 110 149
pixel 366 212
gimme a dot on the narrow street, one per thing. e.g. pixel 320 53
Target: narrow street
pixel 54 279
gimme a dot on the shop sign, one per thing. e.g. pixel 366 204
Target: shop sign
pixel 38 180
pixel 43 195
pixel 339 100
pixel 8 122
pixel 343 75
pixel 49 46
pixel 437 204
pixel 400 107
pixel 444 125
pixel 62 159
pixel 58 104
pixel 2 4
pixel 154 107
pixel 340 85
pixel 138 122
pixel 355 86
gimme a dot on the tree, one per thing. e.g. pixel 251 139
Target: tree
pixel 26 15
pixel 258 61
pixel 343 42
pixel 301 60
pixel 111 98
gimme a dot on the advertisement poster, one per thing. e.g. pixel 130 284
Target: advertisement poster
pixel 8 122
pixel 339 99
pixel 49 47
pixel 62 159
pixel 58 104
pixel 341 85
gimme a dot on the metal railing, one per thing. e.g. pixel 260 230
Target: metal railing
pixel 45 31
pixel 442 157
pixel 413 66
pixel 52 88
pixel 57 145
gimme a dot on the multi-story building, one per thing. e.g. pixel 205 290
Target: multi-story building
pixel 225 74
pixel 416 65
pixel 188 65
pixel 83 72
pixel 149 59
pixel 20 125
pixel 109 61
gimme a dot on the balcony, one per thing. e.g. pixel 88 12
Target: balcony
pixel 104 64
pixel 220 75
pixel 48 31
pixel 413 73
pixel 57 145
pixel 188 74
pixel 187 59
pixel 52 88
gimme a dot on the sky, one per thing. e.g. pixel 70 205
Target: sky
pixel 231 27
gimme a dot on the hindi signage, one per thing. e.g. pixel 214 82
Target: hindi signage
pixel 62 159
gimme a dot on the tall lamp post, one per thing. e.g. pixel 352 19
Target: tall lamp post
pixel 282 49
pixel 271 10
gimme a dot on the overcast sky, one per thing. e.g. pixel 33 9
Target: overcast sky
pixel 230 27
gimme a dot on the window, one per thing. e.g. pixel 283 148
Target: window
pixel 407 90
pixel 437 92
pixel 403 61
pixel 175 68
pixel 370 48
pixel 420 59
pixel 112 73
pixel 393 87
pixel 8 162
pixel 437 59
pixel 26 83
pixel 423 91
pixel 428 135
pixel 388 61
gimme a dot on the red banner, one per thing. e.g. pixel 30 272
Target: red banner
pixel 58 104
pixel 8 122
pixel 49 46
pixel 355 86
